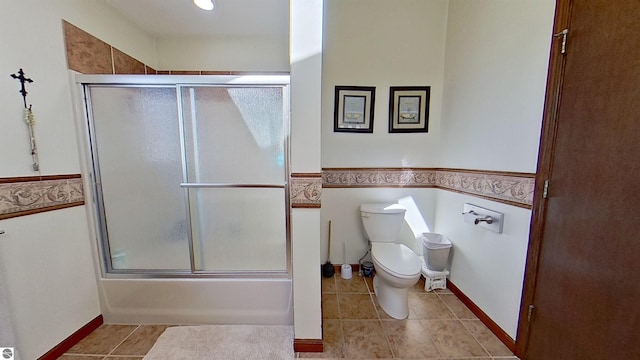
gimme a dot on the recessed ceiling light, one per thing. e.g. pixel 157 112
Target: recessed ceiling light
pixel 204 4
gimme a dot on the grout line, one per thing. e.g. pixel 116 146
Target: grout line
pixel 344 339
pixel 84 355
pixel 463 325
pixel 123 340
pixel 113 61
pixel 475 338
pixel 462 322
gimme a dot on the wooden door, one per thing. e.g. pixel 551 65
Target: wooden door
pixel 583 267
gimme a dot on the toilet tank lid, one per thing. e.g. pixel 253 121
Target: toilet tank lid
pixel 383 208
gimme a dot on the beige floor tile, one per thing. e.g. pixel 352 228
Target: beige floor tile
pixel 429 306
pixel 369 282
pixel 457 307
pixel 381 313
pixel 441 291
pixel 418 287
pixel 124 358
pixel 452 339
pixel 140 341
pixel 365 339
pixel 103 340
pixel 330 309
pixel 486 338
pixel 333 341
pixel 356 306
pixel 354 285
pixel 329 284
pixel 80 357
pixel 409 339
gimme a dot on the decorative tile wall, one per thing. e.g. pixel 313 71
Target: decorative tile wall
pixel 373 177
pixel 505 187
pixel 87 54
pixel 90 55
pixel 509 188
pixel 305 190
pixel 30 195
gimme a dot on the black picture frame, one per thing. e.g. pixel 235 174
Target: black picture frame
pixel 353 109
pixel 409 109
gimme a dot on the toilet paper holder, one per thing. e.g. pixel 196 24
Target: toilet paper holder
pixel 487 218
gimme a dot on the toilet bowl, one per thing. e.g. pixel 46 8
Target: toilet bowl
pixel 397 267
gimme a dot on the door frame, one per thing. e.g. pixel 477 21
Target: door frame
pixel 545 162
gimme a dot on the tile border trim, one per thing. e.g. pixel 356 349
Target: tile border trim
pixel 28 195
pixel 510 188
pixel 305 190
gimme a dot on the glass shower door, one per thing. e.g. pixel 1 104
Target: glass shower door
pixel 137 160
pixel 236 171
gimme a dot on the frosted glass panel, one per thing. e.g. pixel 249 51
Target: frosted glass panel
pixel 136 133
pixel 234 135
pixel 239 229
pixel 191 176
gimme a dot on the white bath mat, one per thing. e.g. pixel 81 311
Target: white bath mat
pixel 226 342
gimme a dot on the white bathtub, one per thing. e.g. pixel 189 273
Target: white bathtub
pixel 196 301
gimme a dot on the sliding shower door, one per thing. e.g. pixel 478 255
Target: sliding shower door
pixel 191 178
pixel 137 165
pixel 235 152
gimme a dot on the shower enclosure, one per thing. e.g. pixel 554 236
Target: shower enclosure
pixel 190 185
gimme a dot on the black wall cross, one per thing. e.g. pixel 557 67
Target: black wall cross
pixel 22 80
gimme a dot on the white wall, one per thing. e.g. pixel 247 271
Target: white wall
pixel 7 338
pixel 46 259
pixel 378 43
pixel 224 53
pixel 486 266
pixel 495 77
pixel 306 69
pixel 382 43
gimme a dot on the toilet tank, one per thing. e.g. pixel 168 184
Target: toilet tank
pixel 382 222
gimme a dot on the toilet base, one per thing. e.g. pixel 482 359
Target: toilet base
pixel 394 301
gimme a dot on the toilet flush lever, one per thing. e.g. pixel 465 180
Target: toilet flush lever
pixel 1 232
pixel 483 217
pixel 487 219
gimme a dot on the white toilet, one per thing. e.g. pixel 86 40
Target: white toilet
pixel 397 267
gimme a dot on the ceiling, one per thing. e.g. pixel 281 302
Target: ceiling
pixel 230 18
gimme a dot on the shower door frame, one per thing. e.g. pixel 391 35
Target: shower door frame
pixel 178 82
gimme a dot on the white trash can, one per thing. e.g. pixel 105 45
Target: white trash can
pixel 435 249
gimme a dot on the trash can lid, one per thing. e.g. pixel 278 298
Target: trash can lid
pixel 435 241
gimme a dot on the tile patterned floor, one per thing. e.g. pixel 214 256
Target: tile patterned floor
pixel 439 326
pixel 116 342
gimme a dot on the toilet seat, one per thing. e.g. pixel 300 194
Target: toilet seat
pixel 396 259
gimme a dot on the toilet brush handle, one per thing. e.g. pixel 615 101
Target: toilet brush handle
pixel 344 250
